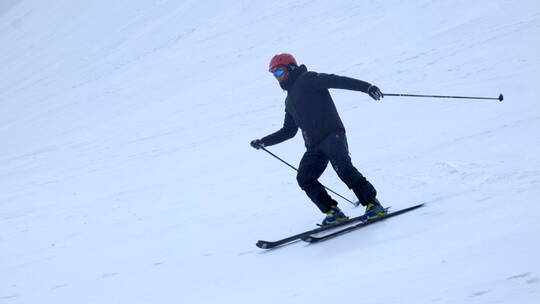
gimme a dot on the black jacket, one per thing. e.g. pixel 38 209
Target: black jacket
pixel 309 106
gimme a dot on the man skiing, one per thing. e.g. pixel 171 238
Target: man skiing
pixel 310 107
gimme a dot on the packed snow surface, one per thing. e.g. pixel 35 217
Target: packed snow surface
pixel 127 177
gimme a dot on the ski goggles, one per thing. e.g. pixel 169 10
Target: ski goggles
pixel 278 71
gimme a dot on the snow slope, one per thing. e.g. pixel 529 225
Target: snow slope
pixel 126 174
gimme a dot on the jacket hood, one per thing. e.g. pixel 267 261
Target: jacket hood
pixel 294 74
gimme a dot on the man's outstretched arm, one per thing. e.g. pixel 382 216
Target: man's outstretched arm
pixel 332 81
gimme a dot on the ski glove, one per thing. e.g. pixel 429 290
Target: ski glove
pixel 375 93
pixel 257 144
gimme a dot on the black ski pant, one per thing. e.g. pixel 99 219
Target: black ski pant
pixel 333 149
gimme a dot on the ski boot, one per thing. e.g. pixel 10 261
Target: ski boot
pixel 334 216
pixel 374 210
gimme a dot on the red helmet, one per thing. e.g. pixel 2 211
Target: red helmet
pixel 282 59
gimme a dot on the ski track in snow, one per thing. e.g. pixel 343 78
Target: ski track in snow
pixel 127 176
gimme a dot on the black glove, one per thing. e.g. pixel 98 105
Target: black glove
pixel 257 144
pixel 375 93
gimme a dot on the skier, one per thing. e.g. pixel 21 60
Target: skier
pixel 310 107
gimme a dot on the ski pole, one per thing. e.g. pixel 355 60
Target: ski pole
pixel 292 167
pixel 500 98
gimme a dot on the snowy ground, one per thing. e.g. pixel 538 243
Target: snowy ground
pixel 126 174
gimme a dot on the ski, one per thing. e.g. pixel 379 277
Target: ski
pixel 313 239
pixel 269 244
